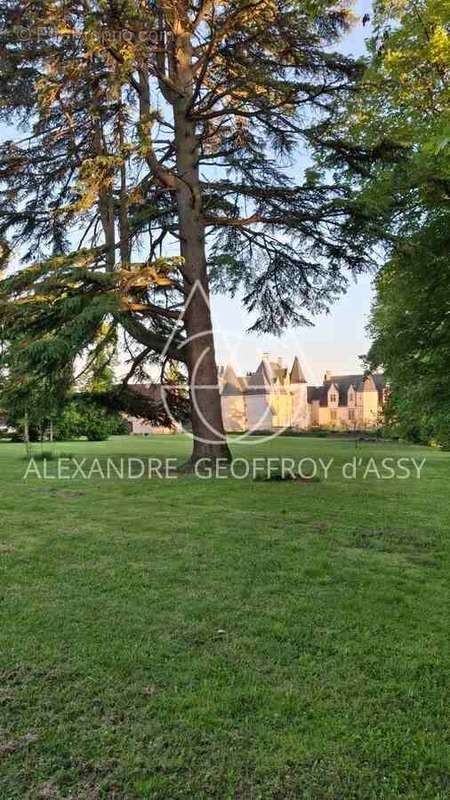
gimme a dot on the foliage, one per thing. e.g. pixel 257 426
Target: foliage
pixel 406 113
pixel 34 431
pixel 134 151
pixel 98 374
pixel 411 332
pixel 30 401
pixel 82 417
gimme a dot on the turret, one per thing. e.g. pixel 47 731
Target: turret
pixel 300 415
pixel 297 375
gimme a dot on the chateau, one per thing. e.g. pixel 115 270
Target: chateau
pixel 275 397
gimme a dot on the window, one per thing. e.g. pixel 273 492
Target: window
pixel 351 413
pixel 333 416
pixel 333 398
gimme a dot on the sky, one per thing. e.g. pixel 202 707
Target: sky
pixel 336 340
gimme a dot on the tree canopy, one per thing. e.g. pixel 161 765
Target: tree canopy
pixel 405 114
pixel 158 152
pixel 410 327
pixel 411 335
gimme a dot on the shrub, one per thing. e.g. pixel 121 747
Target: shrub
pixel 85 417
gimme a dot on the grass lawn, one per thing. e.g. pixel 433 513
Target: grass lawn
pixel 224 639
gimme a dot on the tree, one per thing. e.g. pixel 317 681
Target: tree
pixel 411 335
pixel 31 405
pixel 407 94
pixel 157 162
pixel 82 415
pixel 405 117
pixel 98 374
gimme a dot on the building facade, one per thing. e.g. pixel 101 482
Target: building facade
pixel 275 397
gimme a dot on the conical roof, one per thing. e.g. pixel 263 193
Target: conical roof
pixel 262 376
pixel 297 375
pixel 230 381
pixel 229 376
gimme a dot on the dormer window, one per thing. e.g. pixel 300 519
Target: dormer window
pixel 333 398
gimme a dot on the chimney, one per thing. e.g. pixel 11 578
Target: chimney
pixel 327 376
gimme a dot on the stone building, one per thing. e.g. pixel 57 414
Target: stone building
pixel 275 397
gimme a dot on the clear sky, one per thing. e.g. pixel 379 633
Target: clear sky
pixel 337 338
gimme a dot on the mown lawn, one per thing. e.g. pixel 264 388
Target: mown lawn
pixel 224 639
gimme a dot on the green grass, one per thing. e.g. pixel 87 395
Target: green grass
pixel 224 639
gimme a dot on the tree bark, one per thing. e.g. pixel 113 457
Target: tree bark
pixel 26 434
pixel 206 409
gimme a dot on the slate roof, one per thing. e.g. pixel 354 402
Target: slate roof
pixel 258 382
pixel 297 375
pixel 360 382
pixel 355 380
pixel 265 377
pixel 262 376
pixel 319 393
pixel 230 381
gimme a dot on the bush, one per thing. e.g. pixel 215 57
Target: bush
pixel 85 417
pixel 34 432
pixel 121 426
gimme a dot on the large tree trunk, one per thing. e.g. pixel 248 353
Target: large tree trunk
pixel 206 410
